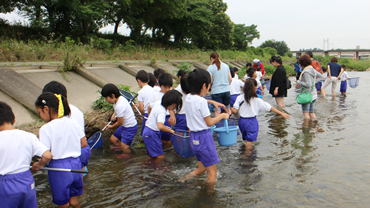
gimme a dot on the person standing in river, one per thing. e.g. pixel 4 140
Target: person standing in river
pixel 334 73
pixel 278 87
pixel 221 80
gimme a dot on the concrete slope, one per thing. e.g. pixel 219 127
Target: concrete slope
pixel 81 92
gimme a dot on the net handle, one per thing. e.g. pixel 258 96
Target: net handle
pixel 101 132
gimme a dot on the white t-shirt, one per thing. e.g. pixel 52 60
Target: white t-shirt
pixel 157 88
pixel 62 136
pixel 259 75
pixel 158 114
pixel 196 109
pixel 236 86
pixel 258 83
pixel 77 115
pixel 145 95
pixel 182 111
pixel 236 76
pixel 158 99
pixel 250 110
pixel 123 109
pixel 246 77
pixel 344 76
pixel 17 149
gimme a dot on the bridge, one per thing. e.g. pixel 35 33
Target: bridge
pixel 355 53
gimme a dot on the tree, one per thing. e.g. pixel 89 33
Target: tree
pixel 243 35
pixel 280 46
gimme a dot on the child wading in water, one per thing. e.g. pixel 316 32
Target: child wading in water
pixel 199 120
pixel 343 84
pixel 64 137
pixel 17 186
pixel 123 113
pixel 248 105
pixel 171 100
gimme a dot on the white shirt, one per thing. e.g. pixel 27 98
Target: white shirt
pixel 250 110
pixel 62 137
pixel 236 86
pixel 196 109
pixel 145 95
pixel 77 115
pixel 17 149
pixel 258 83
pixel 158 99
pixel 182 111
pixel 123 109
pixel 344 76
pixel 259 75
pixel 158 114
pixel 246 77
pixel 157 88
pixel 236 76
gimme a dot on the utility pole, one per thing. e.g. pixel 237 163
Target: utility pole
pixel 328 44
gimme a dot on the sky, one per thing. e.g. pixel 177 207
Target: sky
pixel 301 24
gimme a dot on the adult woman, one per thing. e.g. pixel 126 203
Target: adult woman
pixel 308 77
pixel 221 80
pixel 334 72
pixel 278 81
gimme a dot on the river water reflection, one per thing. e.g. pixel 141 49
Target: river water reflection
pixel 292 164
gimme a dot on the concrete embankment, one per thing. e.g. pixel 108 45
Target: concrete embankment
pixel 22 83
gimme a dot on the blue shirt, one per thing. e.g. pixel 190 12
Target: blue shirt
pixel 334 69
pixel 220 78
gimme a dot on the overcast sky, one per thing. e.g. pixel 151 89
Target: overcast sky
pixel 301 24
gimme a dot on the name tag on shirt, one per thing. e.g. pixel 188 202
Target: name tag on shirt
pixel 196 142
pixel 32 185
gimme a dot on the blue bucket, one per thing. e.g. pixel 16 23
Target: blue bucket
pixel 227 136
pixel 212 128
pixel 268 84
pixel 181 142
pixel 231 123
pixel 259 93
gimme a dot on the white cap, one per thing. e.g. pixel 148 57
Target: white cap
pixel 256 60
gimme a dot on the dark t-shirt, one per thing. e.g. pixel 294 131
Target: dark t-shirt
pixel 334 69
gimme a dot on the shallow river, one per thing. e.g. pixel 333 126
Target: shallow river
pixel 293 164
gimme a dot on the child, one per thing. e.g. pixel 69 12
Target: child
pixel 247 72
pixel 145 94
pixel 171 100
pixel 156 73
pixel 58 88
pixel 165 82
pixel 181 73
pixel 343 84
pixel 235 88
pixel 253 74
pixel 180 116
pixel 259 73
pixel 64 137
pixel 17 186
pixel 152 80
pixel 123 113
pixel 236 72
pixel 248 105
pixel 199 120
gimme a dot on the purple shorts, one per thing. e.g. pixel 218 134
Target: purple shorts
pixel 65 185
pixel 318 86
pixel 249 128
pixel 126 135
pixel 152 141
pixel 181 122
pixel 18 190
pixel 85 156
pixel 204 147
pixel 143 124
pixel 343 86
pixel 166 136
pixel 232 99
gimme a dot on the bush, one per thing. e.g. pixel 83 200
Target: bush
pixel 270 51
pixel 242 71
pixel 289 54
pixel 269 69
pixel 186 66
pixel 102 105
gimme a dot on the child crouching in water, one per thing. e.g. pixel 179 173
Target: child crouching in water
pixel 171 100
pixel 64 137
pixel 199 120
pixel 248 105
pixel 17 186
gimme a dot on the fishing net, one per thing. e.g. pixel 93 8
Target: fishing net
pixel 181 142
pixel 95 141
pixel 268 84
pixel 353 82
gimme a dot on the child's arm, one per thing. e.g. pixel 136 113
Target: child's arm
pixel 113 117
pixel 149 110
pixel 329 74
pixel 172 119
pixel 212 121
pixel 165 128
pixel 263 93
pixel 285 115
pixel 117 124
pixel 46 157
pixel 340 74
pixel 233 110
pixel 216 104
pixel 141 107
pixel 83 142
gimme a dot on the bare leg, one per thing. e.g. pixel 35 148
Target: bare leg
pixel 306 115
pixel 115 141
pixel 211 173
pixel 323 93
pixel 280 101
pixel 74 202
pixel 200 170
pixel 217 113
pixel 312 116
pixel 125 148
pixel 248 147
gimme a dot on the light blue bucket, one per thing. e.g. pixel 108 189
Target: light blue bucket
pixel 212 128
pixel 227 136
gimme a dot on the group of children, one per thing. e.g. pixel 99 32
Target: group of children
pixel 63 143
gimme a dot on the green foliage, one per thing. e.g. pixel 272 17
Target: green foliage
pixel 280 46
pixel 242 71
pixel 289 54
pixel 186 66
pixel 101 43
pixel 243 35
pixel 102 105
pixel 153 60
pixel 270 51
pixel 269 69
